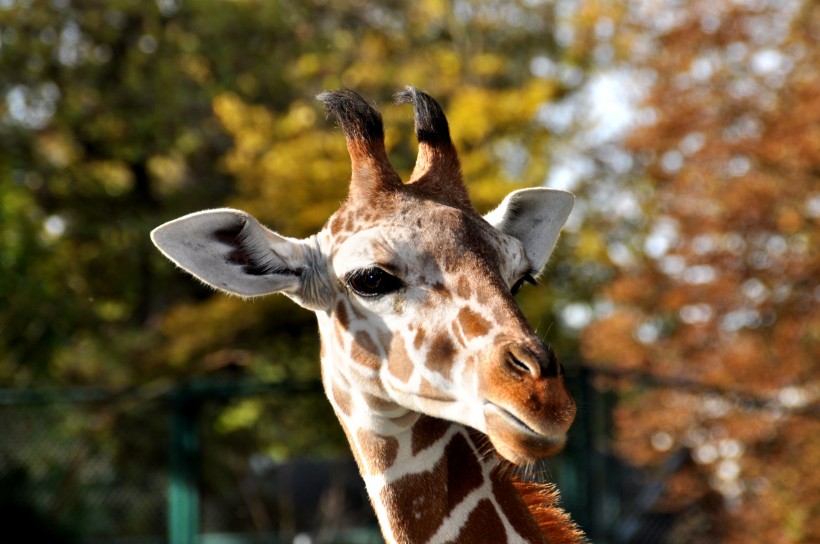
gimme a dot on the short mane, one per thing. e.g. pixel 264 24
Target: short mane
pixel 541 499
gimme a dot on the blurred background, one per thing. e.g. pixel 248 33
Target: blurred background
pixel 137 406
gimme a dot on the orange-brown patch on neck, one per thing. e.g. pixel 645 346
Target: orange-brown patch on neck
pixel 483 525
pixel 418 504
pixel 464 470
pixel 379 452
pixel 341 398
pixel 427 431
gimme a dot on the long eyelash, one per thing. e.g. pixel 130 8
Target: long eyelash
pixel 387 282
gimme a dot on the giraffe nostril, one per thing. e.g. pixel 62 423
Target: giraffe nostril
pixel 522 362
pixel 514 361
pixel 532 360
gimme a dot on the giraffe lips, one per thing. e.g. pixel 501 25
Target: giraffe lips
pixel 516 440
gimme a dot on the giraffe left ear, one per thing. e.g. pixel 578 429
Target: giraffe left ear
pixel 230 251
pixel 535 217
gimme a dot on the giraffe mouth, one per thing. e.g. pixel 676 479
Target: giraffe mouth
pixel 507 415
pixel 516 440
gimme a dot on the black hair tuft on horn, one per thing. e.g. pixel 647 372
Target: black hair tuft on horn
pixel 431 124
pixel 359 119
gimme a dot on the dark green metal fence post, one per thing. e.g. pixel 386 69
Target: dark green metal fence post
pixel 183 489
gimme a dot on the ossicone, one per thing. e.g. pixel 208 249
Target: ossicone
pixel 359 119
pixel 364 133
pixel 437 170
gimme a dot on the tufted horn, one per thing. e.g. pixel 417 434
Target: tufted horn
pixel 437 169
pixel 364 133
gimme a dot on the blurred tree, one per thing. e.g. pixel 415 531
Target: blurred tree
pixel 107 129
pixel 714 302
pixel 118 115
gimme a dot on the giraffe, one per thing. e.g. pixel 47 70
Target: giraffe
pixel 438 380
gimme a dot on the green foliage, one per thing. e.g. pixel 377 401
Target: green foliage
pixel 119 115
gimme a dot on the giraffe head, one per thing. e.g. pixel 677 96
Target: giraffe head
pixel 413 288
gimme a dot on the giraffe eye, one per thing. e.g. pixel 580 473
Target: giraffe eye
pixel 371 282
pixel 527 278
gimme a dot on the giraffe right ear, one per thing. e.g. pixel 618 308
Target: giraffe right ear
pixel 534 216
pixel 230 251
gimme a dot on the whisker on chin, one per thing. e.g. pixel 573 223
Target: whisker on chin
pixel 484 448
pixel 505 470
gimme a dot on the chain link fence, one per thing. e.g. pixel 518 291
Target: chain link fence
pixel 140 466
pixel 88 466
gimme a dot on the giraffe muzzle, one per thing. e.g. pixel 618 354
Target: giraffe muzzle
pixel 515 440
pixel 527 408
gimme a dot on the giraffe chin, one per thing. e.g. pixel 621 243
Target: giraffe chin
pixel 516 441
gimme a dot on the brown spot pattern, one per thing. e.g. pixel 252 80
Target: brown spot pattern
pixel 483 525
pixel 416 504
pixel 336 224
pixel 472 324
pixel 419 503
pixel 427 431
pixel 338 332
pixel 342 316
pixel 341 398
pixel 464 470
pixel 439 289
pixel 440 357
pixel 418 340
pixel 365 351
pixel 514 508
pixel 379 451
pixel 399 362
pixel 377 403
pixel 463 289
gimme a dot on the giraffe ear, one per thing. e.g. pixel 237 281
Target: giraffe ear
pixel 230 251
pixel 535 217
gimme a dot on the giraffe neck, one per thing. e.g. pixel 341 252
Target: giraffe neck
pixel 429 480
pixel 432 484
